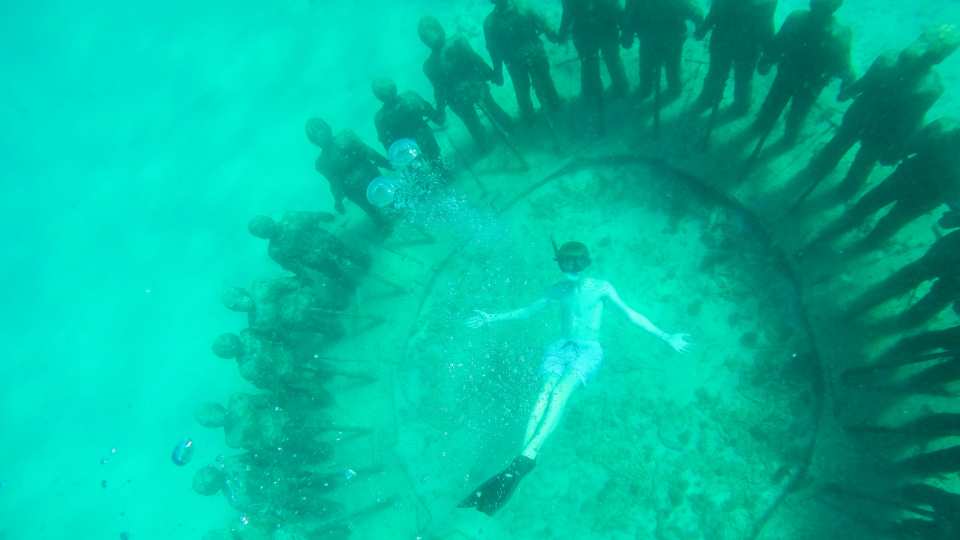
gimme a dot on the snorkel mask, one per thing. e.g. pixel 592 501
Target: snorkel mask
pixel 572 258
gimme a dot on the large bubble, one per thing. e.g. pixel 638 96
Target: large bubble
pixel 403 152
pixel 382 191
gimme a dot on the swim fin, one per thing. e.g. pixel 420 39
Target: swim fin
pixel 495 492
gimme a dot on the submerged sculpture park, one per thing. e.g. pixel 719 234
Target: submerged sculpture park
pixel 817 284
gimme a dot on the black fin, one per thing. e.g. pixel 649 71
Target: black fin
pixel 495 492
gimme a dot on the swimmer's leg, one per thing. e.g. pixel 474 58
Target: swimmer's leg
pixel 559 395
pixel 543 400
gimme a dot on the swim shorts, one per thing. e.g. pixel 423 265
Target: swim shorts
pixel 572 356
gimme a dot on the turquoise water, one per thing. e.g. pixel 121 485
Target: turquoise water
pixel 140 139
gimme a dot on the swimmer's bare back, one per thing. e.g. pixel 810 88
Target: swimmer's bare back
pixel 581 306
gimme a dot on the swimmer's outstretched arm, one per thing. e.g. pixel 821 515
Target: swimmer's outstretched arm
pixel 482 317
pixel 679 342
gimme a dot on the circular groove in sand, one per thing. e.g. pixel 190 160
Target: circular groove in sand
pixel 708 195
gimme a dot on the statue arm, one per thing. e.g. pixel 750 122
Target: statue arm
pixel 924 138
pixel 426 109
pixel 376 158
pixel 336 186
pixel 542 26
pixel 321 218
pixel 439 93
pixel 619 14
pixel 773 52
pixel 856 87
pixel 708 23
pixel 845 71
pixel 769 26
pixel 494 48
pixel 369 154
pixel 381 132
pixel 337 192
pixel 627 24
pixel 693 12
pixel 286 285
pixel 476 62
pixel 566 21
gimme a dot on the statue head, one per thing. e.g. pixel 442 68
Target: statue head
pixel 431 32
pixel 319 132
pixel 211 415
pixel 385 90
pixel 825 8
pixel 264 227
pixel 237 299
pixel 932 47
pixel 209 480
pixel 227 346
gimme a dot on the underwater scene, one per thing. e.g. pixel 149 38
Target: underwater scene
pixel 481 270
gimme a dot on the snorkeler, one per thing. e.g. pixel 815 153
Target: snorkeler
pixel 568 361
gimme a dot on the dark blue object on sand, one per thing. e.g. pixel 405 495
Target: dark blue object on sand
pixel 182 452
